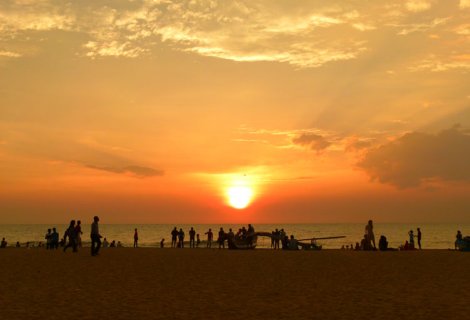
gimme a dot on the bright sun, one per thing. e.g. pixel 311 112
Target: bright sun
pixel 239 197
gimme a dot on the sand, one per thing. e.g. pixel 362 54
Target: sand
pixel 126 283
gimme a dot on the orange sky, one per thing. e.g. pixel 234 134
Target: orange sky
pixel 149 111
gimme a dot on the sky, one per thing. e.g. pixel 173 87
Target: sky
pixel 155 111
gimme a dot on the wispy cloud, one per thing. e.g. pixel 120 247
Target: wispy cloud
pixel 138 171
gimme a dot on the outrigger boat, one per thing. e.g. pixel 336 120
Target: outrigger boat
pixel 250 241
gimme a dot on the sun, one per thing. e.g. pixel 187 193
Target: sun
pixel 239 197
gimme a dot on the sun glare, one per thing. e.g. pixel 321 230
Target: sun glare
pixel 239 197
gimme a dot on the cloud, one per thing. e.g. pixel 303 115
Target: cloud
pixel 314 141
pixel 417 158
pixel 421 27
pixel 9 54
pixel 444 63
pixel 418 5
pixel 138 171
pixel 464 4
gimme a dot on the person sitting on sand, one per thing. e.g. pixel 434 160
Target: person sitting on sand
pixel 198 240
pixel 3 244
pixel 383 243
pixel 181 238
pixel 285 242
pixel 192 236
pixel 113 244
pixel 136 238
pixel 162 243
pixel 174 236
pixel 293 244
pixel 18 245
pixel 119 244
pixel 105 243
pixel 357 247
pixel 221 238
pixel 210 236
pixel 406 246
pixel 458 240
pixel 70 233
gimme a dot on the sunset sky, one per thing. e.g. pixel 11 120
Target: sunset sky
pixel 151 111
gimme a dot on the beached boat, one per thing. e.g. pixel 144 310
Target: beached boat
pixel 464 244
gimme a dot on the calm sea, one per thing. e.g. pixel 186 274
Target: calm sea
pixel 435 236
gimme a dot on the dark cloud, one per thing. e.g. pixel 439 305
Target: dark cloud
pixel 355 144
pixel 314 141
pixel 136 170
pixel 418 157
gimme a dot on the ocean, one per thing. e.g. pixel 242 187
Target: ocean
pixel 435 236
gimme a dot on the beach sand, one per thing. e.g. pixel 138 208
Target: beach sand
pixel 126 283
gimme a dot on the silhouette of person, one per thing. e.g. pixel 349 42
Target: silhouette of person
pixel 192 235
pixel 198 240
pixel 210 236
pixel 95 236
pixel 419 238
pixel 78 233
pixel 412 239
pixel 70 234
pixel 105 243
pixel 370 233
pixel 18 244
pixel 181 238
pixel 174 236
pixel 3 244
pixel 55 239
pixel 458 240
pixel 383 243
pixel 136 238
pixel 48 238
pixel 162 243
pixel 221 239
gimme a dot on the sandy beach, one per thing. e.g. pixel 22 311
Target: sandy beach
pixel 143 283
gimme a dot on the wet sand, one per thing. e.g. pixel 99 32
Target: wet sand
pixel 127 283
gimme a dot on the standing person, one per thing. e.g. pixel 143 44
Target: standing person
pixel 136 238
pixel 198 240
pixel 192 235
pixel 55 239
pixel 419 238
pixel 70 233
pixel 412 239
pixel 277 237
pixel 181 239
pixel 48 238
pixel 162 243
pixel 78 233
pixel 370 233
pixel 221 239
pixel 174 236
pixel 210 235
pixel 95 237
pixel 458 240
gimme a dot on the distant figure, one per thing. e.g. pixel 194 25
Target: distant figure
pixel 285 242
pixel 105 243
pixel 119 244
pixel 293 244
pixel 419 238
pixel 273 236
pixel 383 243
pixel 230 238
pixel 370 233
pixel 113 244
pixel 70 233
pixel 412 239
pixel 198 240
pixel 55 239
pixel 3 244
pixel 162 243
pixel 48 238
pixel 181 239
pixel 406 246
pixel 174 236
pixel 210 236
pixel 192 237
pixel 78 233
pixel 95 237
pixel 458 240
pixel 250 234
pixel 277 238
pixel 221 239
pixel 352 247
pixel 357 247
pixel 136 238
pixel 18 244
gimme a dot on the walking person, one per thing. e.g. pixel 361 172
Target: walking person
pixel 210 236
pixel 419 238
pixel 95 237
pixel 78 233
pixel 70 234
pixel 192 235
pixel 136 238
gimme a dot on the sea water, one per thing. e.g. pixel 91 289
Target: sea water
pixel 434 236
